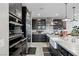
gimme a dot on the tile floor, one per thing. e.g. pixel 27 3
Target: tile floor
pixel 39 48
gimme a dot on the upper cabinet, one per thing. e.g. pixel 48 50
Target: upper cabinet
pixel 34 22
pixel 12 8
pixel 59 24
pixel 19 10
pixel 16 9
pixel 39 24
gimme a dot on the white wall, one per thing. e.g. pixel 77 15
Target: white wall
pixel 4 29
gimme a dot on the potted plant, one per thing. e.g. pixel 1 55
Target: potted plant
pixel 75 31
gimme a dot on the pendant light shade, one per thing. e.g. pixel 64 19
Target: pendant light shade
pixel 66 10
pixel 65 19
pixel 73 19
pixel 73 13
pixel 52 22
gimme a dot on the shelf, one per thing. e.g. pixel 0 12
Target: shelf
pixel 11 16
pixel 16 33
pixel 14 36
pixel 15 51
pixel 19 45
pixel 14 16
pixel 14 19
pixel 15 23
pixel 17 42
pixel 23 39
pixel 14 44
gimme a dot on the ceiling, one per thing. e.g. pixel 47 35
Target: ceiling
pixel 51 9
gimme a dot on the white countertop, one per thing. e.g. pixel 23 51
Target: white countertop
pixel 69 46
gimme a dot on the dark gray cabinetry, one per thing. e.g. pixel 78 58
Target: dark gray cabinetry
pixel 17 41
pixel 24 45
pixel 15 9
pixel 63 51
pixel 12 8
pixel 39 38
pixel 54 52
pixel 34 24
pixel 35 38
pixel 26 28
pixel 39 24
pixel 59 24
pixel 59 51
pixel 19 10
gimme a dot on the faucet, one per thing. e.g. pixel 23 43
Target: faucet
pixel 73 40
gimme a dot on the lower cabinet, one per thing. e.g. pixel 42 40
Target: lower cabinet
pixel 24 48
pixel 59 51
pixel 63 51
pixel 54 52
pixel 39 38
pixel 19 49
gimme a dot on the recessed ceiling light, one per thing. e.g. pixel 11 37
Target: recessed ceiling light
pixel 57 14
pixel 41 8
pixel 38 14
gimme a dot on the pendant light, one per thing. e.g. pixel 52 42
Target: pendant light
pixel 66 19
pixel 74 14
pixel 52 22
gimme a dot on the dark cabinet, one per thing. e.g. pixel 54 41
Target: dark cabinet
pixel 17 41
pixel 34 37
pixel 39 24
pixel 39 38
pixel 12 8
pixel 63 51
pixel 60 51
pixel 59 24
pixel 54 52
pixel 34 25
pixel 24 47
pixel 19 10
pixel 16 9
pixel 26 28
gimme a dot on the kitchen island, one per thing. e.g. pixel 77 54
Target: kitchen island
pixel 68 46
